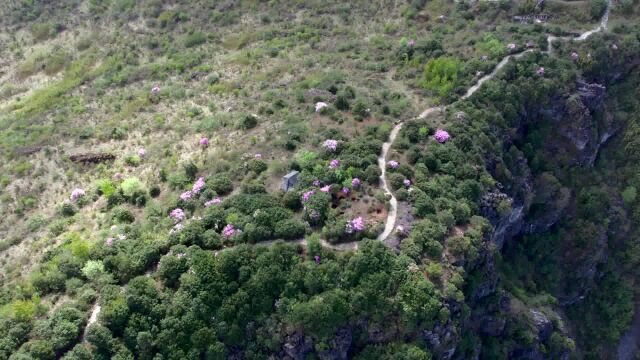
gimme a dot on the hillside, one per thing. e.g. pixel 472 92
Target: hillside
pixel 464 183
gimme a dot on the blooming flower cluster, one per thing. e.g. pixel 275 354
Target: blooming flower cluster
pixel 326 188
pixel 177 214
pixel 317 259
pixel 575 56
pixel 186 195
pixel 356 182
pixel 77 194
pixel 411 42
pixel 155 89
pixel 307 195
pixel 109 241
pixel 334 164
pixel 213 201
pixel 204 141
pixel 316 182
pixel 356 225
pixel 330 144
pixel 346 190
pixel 258 156
pixel 393 164
pixel 512 46
pixel 142 152
pixel 321 105
pixel 540 71
pixel 198 185
pixel 441 136
pixel 407 182
pixel 228 230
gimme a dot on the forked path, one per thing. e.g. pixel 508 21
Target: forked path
pixel 382 159
pixel 393 202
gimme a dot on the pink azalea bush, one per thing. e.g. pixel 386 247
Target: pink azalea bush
pixel 228 230
pixel 407 182
pixel 198 185
pixel 109 241
pixel 441 136
pixel 355 225
pixel 142 152
pixel 316 182
pixel 540 71
pixel 334 164
pixel 330 144
pixel 512 46
pixel 204 141
pixel 356 182
pixel 155 89
pixel 76 194
pixel 325 189
pixel 411 42
pixel 307 195
pixel 345 190
pixel 187 195
pixel 575 56
pixel 177 214
pixel 393 164
pixel 258 156
pixel 211 202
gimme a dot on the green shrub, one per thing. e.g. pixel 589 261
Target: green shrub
pixel 441 75
pixel 131 186
pixel 195 39
pixel 248 122
pixel 220 183
pixel 123 215
pixel 289 229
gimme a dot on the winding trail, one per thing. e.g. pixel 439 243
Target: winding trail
pixel 393 202
pixel 382 160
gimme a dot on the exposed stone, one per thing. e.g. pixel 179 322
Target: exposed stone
pixel 442 340
pixel 492 325
pixel 92 158
pixel 297 346
pixel 542 324
pixel 338 346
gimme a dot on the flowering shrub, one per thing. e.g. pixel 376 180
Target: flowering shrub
pixel 330 144
pixel 77 194
pixel 307 195
pixel 187 195
pixel 204 141
pixel 326 188
pixel 356 182
pixel 198 185
pixel 345 190
pixel 316 182
pixel 155 90
pixel 355 225
pixel 142 152
pixel 213 201
pixel 393 164
pixel 407 182
pixel 441 136
pixel 228 231
pixel 540 71
pixel 177 214
pixel 575 56
pixel 334 164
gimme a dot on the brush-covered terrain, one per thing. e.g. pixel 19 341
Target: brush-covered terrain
pixel 464 179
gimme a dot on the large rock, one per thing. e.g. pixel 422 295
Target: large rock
pixel 338 346
pixel 297 346
pixel 442 340
pixel 543 325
